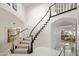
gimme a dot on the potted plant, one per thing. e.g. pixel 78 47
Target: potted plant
pixel 71 40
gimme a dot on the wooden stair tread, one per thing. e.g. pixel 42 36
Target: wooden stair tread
pixel 20 50
pixel 25 42
pixel 27 39
pixel 22 46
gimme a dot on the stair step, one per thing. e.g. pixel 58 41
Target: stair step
pixel 22 46
pixel 27 39
pixel 24 42
pixel 20 50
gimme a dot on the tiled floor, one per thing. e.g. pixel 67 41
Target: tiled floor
pixel 40 51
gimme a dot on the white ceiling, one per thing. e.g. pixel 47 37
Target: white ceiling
pixel 30 5
pixel 10 19
pixel 66 23
pixel 27 4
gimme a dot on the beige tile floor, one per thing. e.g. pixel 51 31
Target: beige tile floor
pixel 39 51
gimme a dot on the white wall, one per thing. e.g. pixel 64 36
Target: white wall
pixel 20 13
pixel 2 37
pixel 45 38
pixel 7 18
pixel 55 36
pixel 35 14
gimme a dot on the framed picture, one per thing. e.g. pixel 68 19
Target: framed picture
pixel 14 6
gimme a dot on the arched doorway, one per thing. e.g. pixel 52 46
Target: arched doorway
pixel 64 34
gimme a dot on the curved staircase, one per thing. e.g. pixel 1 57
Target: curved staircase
pixel 22 47
pixel 25 46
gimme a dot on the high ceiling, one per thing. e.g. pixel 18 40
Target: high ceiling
pixel 27 4
pixel 8 19
pixel 30 5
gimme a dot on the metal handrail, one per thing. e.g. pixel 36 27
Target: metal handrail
pixel 15 36
pixel 63 48
pixel 49 10
pixel 21 31
pixel 61 52
pixel 39 22
pixel 58 12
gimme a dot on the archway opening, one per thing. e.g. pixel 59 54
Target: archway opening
pixel 63 35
